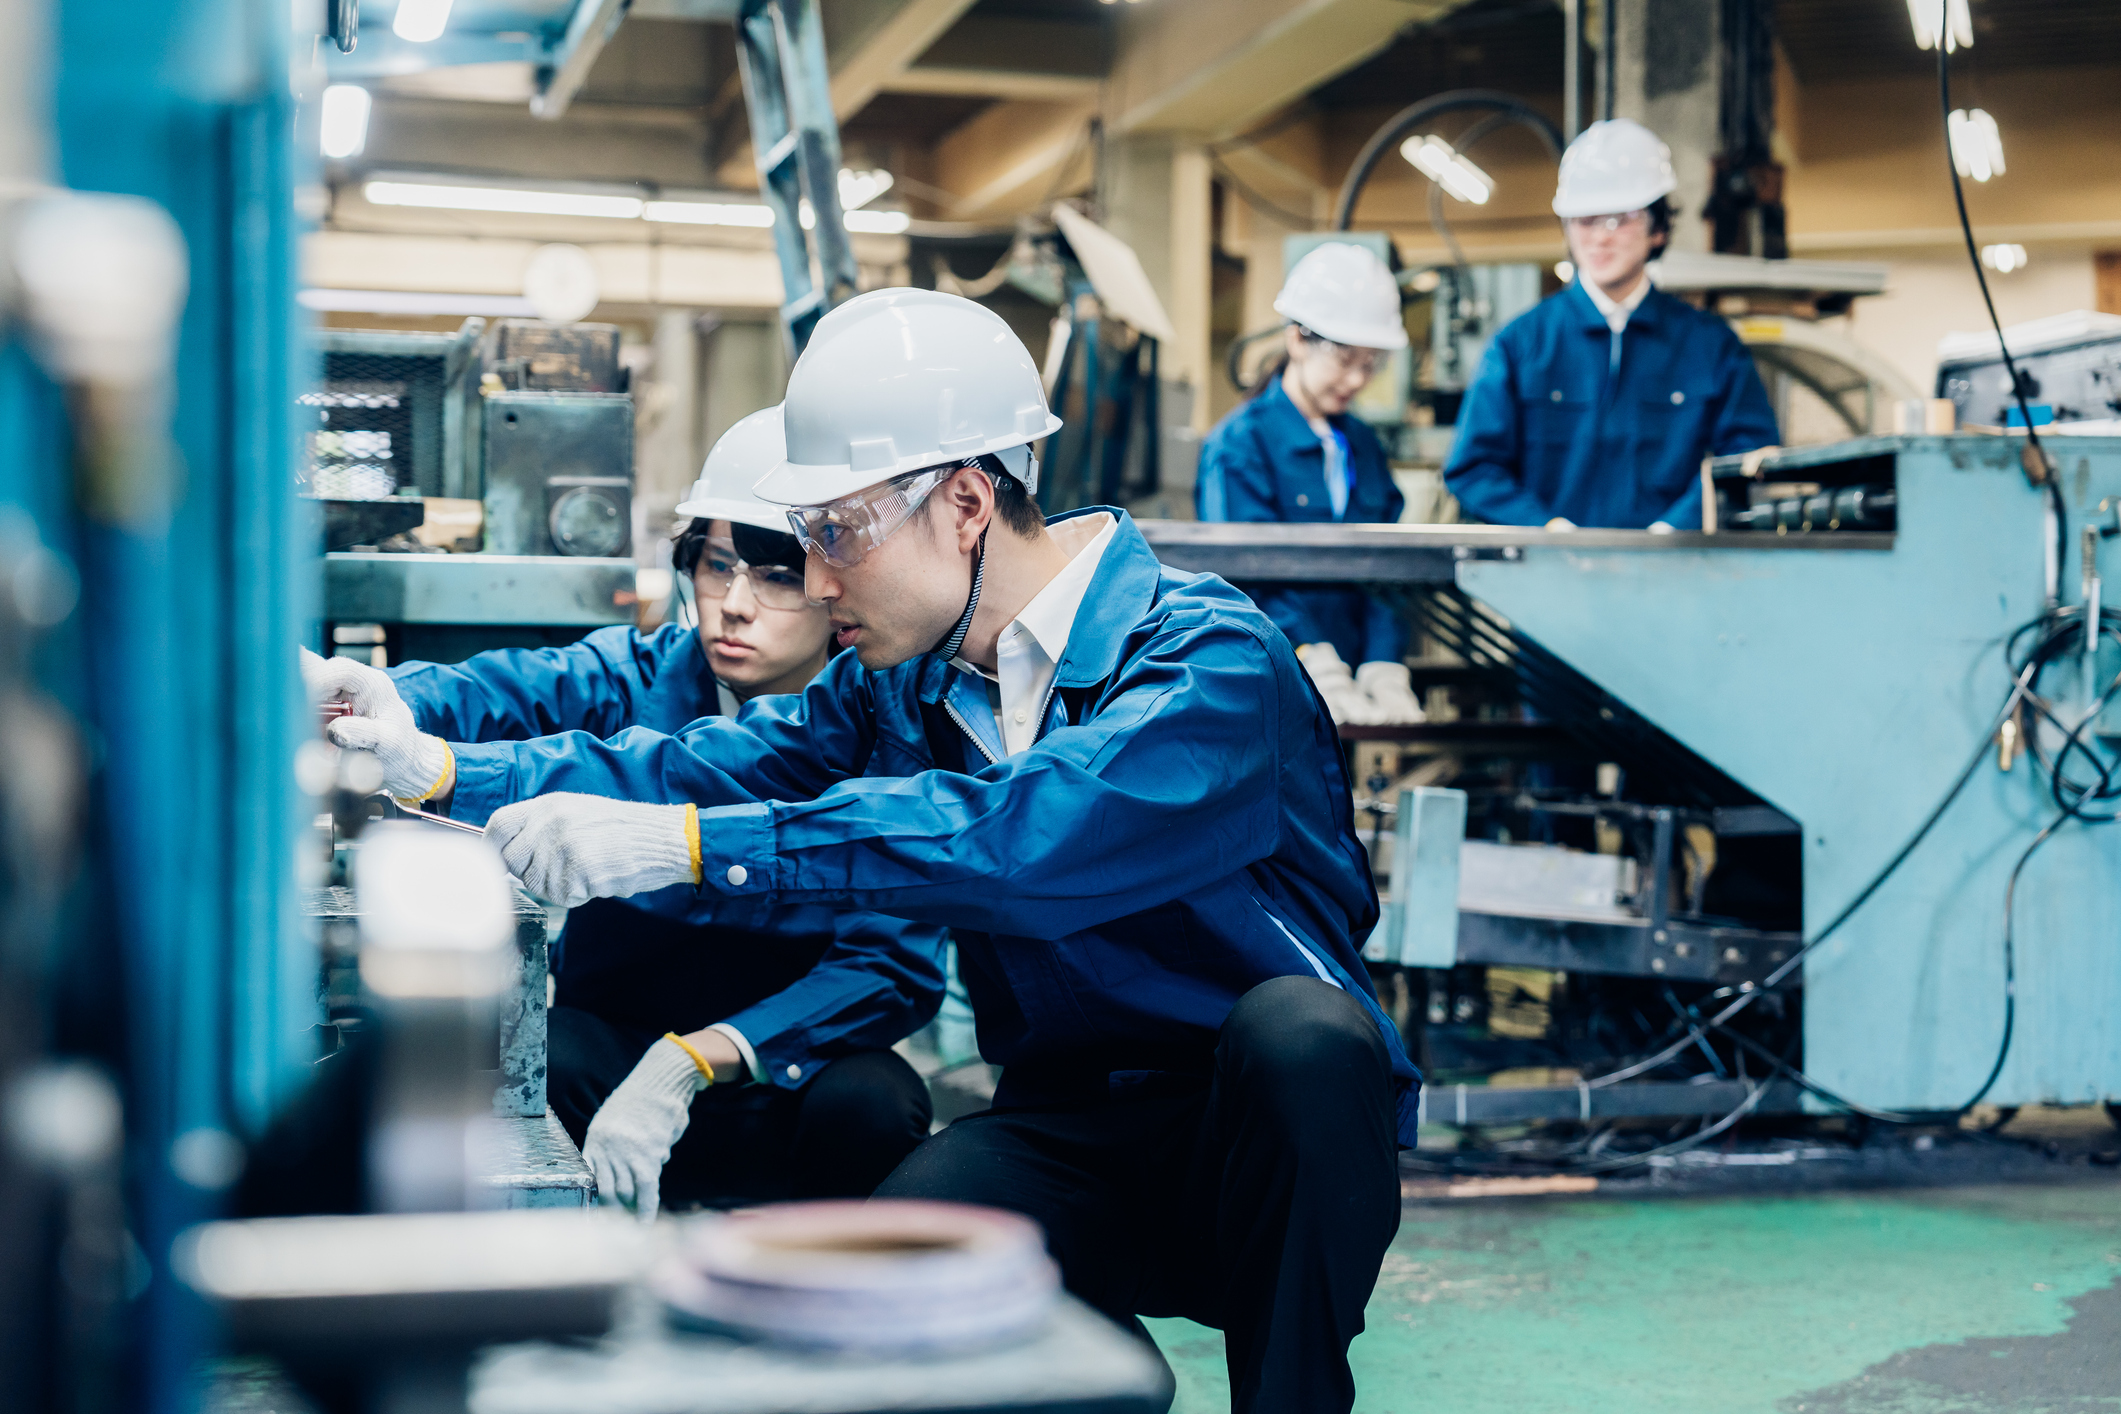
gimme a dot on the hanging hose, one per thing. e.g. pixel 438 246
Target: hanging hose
pixel 1408 119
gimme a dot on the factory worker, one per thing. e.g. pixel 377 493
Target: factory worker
pixel 1596 407
pixel 742 1042
pixel 1112 781
pixel 1294 454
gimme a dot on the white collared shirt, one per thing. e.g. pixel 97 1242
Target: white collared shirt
pixel 1616 312
pixel 1028 653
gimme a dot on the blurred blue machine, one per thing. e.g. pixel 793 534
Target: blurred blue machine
pixel 1836 650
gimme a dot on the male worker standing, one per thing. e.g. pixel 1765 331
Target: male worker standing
pixel 800 1000
pixel 1596 407
pixel 1115 784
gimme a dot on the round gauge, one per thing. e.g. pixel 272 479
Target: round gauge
pixel 561 283
pixel 587 521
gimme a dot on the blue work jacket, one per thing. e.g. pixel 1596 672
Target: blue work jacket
pixel 1180 832
pixel 1264 463
pixel 803 982
pixel 1555 426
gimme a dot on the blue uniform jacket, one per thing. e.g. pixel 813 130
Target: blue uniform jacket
pixel 1264 463
pixel 1180 832
pixel 804 982
pixel 1551 428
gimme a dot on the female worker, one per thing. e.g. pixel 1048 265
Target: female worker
pixel 1596 407
pixel 773 1075
pixel 1292 453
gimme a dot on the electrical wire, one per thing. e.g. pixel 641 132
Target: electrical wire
pixel 2036 454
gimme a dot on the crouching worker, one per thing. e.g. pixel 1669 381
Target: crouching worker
pixel 703 1048
pixel 1112 781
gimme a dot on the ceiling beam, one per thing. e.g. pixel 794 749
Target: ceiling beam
pixel 889 50
pixel 1214 67
pixel 993 83
pixel 588 30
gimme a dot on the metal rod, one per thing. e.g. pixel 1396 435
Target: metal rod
pixel 433 819
pixel 1572 70
pixel 1609 57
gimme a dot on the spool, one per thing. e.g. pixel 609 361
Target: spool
pixel 877 1277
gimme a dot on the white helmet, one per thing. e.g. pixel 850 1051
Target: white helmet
pixel 1344 293
pixel 1613 166
pixel 901 379
pixel 747 451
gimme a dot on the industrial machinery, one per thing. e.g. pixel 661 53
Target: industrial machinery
pixel 1794 702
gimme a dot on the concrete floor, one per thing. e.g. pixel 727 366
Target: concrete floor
pixel 2003 1297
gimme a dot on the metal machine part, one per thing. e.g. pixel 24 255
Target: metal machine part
pixel 494 590
pixel 368 522
pixel 2071 363
pixel 389 414
pixel 543 447
pixel 1848 508
pixel 530 355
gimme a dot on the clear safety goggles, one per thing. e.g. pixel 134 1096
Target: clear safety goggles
pixel 841 532
pixel 1613 221
pixel 717 569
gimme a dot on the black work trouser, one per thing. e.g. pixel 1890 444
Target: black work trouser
pixel 836 1137
pixel 1260 1203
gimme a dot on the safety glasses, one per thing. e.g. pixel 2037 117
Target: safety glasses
pixel 718 569
pixel 841 532
pixel 1613 222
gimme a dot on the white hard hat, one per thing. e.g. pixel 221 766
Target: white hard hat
pixel 901 379
pixel 1613 166
pixel 746 452
pixel 1344 293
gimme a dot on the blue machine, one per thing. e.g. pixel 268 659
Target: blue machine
pixel 1848 687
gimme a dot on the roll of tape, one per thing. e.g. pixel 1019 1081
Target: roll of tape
pixel 878 1276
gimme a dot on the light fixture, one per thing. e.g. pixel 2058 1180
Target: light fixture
pixel 1926 16
pixel 419 21
pixel 2003 258
pixel 528 203
pixel 858 189
pixel 1977 148
pixel 1448 168
pixel 709 213
pixel 1564 271
pixel 343 120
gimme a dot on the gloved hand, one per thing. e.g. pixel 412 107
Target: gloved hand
pixel 1390 691
pixel 369 690
pixel 416 766
pixel 1347 703
pixel 568 849
pixel 631 1134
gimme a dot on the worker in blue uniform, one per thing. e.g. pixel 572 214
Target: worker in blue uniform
pixel 1111 780
pixel 786 1010
pixel 1597 407
pixel 1294 454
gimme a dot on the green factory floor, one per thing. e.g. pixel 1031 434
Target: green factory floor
pixel 1913 1301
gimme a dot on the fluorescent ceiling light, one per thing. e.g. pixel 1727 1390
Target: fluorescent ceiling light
pixel 879 223
pixel 2003 258
pixel 1444 165
pixel 343 126
pixel 709 213
pixel 1977 147
pixel 411 302
pixel 858 189
pixel 1927 16
pixel 419 21
pixel 529 203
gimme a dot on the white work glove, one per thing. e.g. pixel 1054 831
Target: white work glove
pixel 1391 692
pixel 568 849
pixel 370 691
pixel 1344 700
pixel 632 1132
pixel 1560 523
pixel 416 766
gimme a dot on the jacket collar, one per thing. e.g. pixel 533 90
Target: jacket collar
pixel 1283 427
pixel 1118 598
pixel 1585 313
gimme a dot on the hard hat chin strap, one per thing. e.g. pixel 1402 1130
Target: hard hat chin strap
pixel 949 646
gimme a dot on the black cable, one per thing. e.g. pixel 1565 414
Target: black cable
pixel 1404 121
pixel 2034 451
